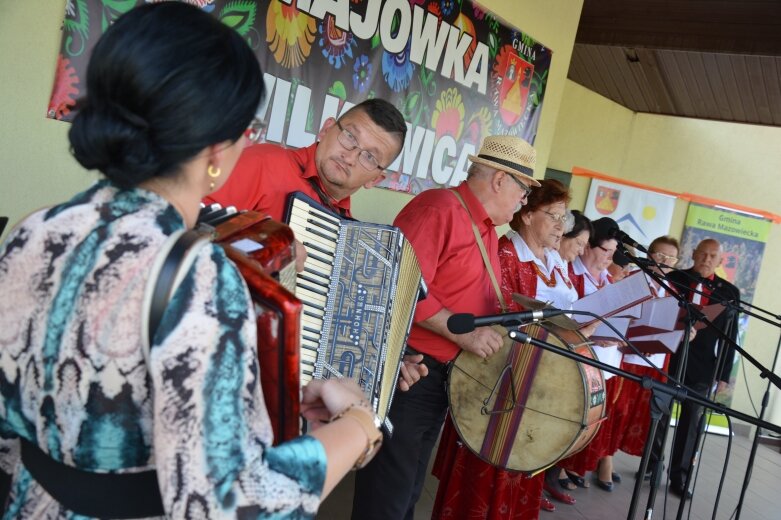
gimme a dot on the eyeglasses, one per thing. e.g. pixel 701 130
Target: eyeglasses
pixel 350 143
pixel 526 189
pixel 563 218
pixel 254 130
pixel 665 259
pixel 606 250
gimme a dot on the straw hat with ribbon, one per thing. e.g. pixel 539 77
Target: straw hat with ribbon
pixel 509 154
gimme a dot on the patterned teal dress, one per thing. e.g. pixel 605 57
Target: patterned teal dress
pixel 74 379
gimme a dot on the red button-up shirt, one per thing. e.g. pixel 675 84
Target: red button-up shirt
pixel 440 232
pixel 266 174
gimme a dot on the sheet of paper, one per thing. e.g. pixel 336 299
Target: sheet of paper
pixel 661 343
pixel 613 298
pixel 608 355
pixel 658 315
pixel 605 333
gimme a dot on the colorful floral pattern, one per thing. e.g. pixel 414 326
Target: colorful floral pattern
pixel 65 91
pixel 289 33
pixel 478 126
pixel 326 60
pixel 337 45
pixel 397 69
pixel 448 118
pixel 362 73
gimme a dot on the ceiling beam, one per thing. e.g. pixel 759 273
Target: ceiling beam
pixel 728 26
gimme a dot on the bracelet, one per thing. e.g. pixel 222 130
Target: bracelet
pixel 370 423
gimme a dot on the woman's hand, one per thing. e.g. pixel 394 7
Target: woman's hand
pixel 324 398
pixel 588 330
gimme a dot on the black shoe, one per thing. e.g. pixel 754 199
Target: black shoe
pixel 680 492
pixel 616 477
pixel 607 486
pixel 648 474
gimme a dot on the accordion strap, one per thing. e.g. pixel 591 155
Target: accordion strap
pixel 483 252
pixel 174 260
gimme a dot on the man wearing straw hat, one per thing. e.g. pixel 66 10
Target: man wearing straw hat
pixel 442 226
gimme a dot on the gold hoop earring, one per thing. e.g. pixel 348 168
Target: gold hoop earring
pixel 213 172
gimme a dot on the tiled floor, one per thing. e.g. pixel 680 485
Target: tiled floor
pixel 762 502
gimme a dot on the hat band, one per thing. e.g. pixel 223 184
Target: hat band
pixel 515 166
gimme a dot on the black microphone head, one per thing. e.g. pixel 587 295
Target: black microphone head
pixel 463 323
pixel 604 229
pixel 620 259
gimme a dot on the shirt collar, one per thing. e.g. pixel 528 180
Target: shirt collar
pixel 306 158
pixel 552 258
pixel 476 209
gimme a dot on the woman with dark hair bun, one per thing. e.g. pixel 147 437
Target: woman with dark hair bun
pixel 109 426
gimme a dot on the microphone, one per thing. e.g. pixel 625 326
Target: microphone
pixel 625 239
pixel 464 323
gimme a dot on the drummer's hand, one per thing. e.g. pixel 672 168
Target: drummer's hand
pixel 300 255
pixel 483 341
pixel 324 398
pixel 588 330
pixel 412 369
pixel 608 344
pixel 692 333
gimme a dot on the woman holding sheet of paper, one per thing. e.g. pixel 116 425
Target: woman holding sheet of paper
pixel 588 273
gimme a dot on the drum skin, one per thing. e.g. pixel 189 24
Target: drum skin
pixel 556 410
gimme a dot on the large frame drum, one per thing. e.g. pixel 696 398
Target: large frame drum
pixel 525 408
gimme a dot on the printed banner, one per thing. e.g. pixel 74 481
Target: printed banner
pixel 456 72
pixel 642 214
pixel 742 239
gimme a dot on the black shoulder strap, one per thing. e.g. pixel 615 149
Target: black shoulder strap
pixel 164 286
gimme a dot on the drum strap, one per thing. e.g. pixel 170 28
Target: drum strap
pixel 483 252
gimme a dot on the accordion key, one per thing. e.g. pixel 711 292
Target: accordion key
pixel 359 289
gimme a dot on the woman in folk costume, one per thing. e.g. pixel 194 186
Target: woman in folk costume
pixel 588 273
pixel 532 267
pixel 664 251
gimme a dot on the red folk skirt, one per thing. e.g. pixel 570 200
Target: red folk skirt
pixel 603 444
pixel 639 416
pixel 472 488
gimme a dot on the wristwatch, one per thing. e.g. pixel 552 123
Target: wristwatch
pixel 370 422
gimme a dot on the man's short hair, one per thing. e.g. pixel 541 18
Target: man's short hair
pixel 384 115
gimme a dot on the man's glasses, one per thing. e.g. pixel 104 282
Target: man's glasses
pixel 608 251
pixel 350 143
pixel 254 130
pixel 665 259
pixel 564 218
pixel 526 189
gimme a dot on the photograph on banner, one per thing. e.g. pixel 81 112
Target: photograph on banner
pixel 455 70
pixel 742 238
pixel 640 213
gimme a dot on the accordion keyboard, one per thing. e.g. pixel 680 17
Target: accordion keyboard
pixel 359 289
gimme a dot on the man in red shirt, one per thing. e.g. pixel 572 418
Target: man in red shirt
pixel 440 231
pixel 349 153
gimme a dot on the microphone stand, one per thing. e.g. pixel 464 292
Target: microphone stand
pixel 773 379
pixel 660 402
pixel 667 389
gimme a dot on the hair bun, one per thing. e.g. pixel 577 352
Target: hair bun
pixel 114 141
